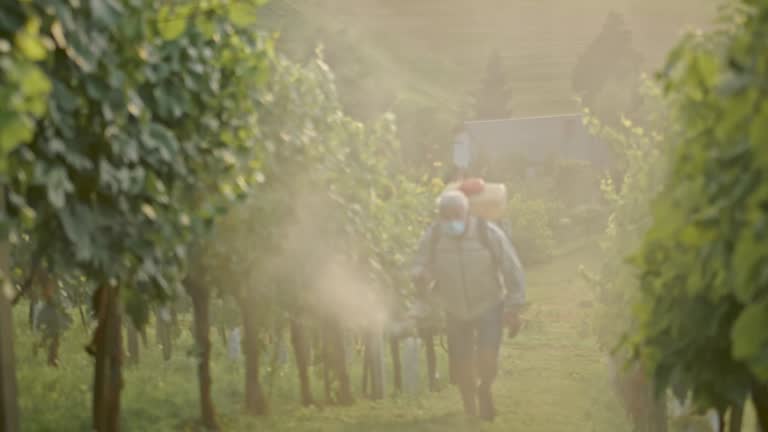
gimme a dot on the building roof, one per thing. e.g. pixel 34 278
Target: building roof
pixel 559 137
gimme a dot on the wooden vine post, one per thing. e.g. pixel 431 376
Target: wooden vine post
pixel 9 408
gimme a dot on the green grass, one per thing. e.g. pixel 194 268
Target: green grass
pixel 553 378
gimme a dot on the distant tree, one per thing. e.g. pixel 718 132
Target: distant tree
pixel 427 131
pixel 608 64
pixel 493 96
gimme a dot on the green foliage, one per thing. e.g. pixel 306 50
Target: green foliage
pixel 558 207
pixel 328 189
pixel 375 202
pixel 640 147
pixel 641 163
pixel 532 223
pixel 151 109
pixel 700 313
pixel 427 130
pixel 295 108
pixel 23 86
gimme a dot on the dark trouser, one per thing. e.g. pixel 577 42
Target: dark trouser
pixel 473 347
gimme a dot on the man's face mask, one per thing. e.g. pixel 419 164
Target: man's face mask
pixel 454 228
pixel 453 221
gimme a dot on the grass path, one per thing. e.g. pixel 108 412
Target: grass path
pixel 552 379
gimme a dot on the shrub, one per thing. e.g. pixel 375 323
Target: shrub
pixel 531 224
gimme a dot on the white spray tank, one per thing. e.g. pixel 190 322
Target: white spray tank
pixel 487 201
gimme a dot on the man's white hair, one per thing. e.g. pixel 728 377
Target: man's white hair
pixel 453 200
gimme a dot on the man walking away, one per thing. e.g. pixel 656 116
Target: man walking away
pixel 479 282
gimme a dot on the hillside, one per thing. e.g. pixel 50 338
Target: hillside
pixel 434 51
